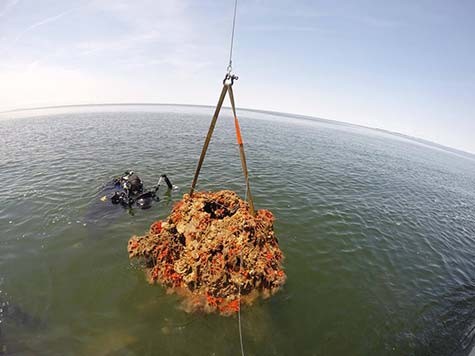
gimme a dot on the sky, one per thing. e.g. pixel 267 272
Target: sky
pixel 404 66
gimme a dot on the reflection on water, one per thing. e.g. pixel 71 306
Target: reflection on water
pixel 378 234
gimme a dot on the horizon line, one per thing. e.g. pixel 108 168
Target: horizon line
pixel 286 114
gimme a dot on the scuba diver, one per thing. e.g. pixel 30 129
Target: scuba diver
pixel 131 191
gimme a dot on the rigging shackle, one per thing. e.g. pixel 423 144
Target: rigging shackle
pixel 229 79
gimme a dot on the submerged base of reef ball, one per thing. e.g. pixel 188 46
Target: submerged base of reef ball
pixel 210 250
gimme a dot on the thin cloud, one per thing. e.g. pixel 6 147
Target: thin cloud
pixel 120 44
pixel 43 22
pixel 9 4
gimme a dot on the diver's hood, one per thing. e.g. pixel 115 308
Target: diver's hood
pixel 133 182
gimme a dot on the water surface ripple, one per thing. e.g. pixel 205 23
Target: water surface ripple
pixel 378 233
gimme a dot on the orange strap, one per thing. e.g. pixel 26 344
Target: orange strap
pixel 238 131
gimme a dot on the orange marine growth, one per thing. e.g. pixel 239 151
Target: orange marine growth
pixel 156 227
pixel 212 252
pixel 230 308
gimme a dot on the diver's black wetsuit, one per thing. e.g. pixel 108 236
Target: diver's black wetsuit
pixel 132 191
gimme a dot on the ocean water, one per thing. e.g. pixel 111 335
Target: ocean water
pixel 378 232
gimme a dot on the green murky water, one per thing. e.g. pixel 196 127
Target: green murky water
pixel 378 233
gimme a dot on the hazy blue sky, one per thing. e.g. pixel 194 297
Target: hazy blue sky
pixel 405 66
